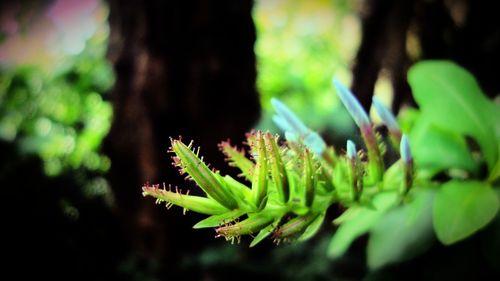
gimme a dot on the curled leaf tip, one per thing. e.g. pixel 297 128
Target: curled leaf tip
pixel 386 115
pixel 404 149
pixel 351 150
pixel 352 104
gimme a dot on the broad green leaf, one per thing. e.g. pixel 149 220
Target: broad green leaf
pixel 393 177
pixel 218 220
pixel 438 149
pixel 451 98
pixel 461 208
pixel 402 232
pixel 407 117
pixel 357 221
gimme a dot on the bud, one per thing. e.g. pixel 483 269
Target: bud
pixel 354 167
pixel 295 130
pixel 287 120
pixel 405 150
pixel 278 171
pixel 190 163
pixel 259 180
pixel 309 178
pixel 351 150
pixel 386 115
pixel 315 143
pixel 197 204
pixel 250 225
pixel 293 228
pixel 407 158
pixel 375 162
pixel 352 105
pixel 237 159
pixel 389 121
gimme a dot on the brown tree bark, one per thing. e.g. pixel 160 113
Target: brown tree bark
pixel 183 68
pixel 383 47
pixel 465 31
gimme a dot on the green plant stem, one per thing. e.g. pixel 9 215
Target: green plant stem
pixel 375 161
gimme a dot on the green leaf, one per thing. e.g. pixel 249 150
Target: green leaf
pixel 313 228
pixel 342 186
pixel 356 221
pixel 461 208
pixel 393 177
pixel 403 232
pixel 407 117
pixel 265 232
pixel 240 192
pixel 218 220
pixel 438 149
pixel 452 99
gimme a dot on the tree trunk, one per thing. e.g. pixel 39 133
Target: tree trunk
pixel 183 68
pixel 383 47
pixel 467 32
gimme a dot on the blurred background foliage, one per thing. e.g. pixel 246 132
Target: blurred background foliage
pixel 52 96
pixel 300 46
pixel 54 76
pixel 52 105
